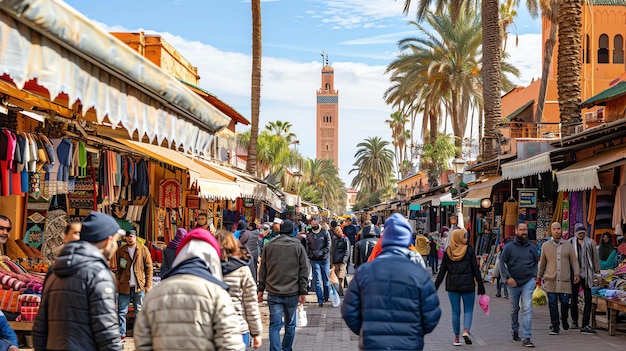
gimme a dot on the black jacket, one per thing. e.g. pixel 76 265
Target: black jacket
pixel 78 310
pixel 341 250
pixel 318 245
pixel 462 275
pixel 363 249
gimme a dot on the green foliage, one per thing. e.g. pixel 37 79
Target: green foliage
pixel 435 157
pixel 373 165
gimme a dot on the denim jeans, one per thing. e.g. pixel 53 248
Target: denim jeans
pixel 468 310
pixel 553 300
pixel 522 296
pixel 122 306
pixel 279 306
pixel 586 307
pixel 501 285
pixel 321 275
pixel 433 262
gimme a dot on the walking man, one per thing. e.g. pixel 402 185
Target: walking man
pixel 518 266
pixel 134 276
pixel 284 273
pixel 318 250
pixel 398 321
pixel 77 311
pixel 557 261
pixel 340 254
pixel 589 263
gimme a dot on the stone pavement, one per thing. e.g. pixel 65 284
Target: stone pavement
pixel 326 331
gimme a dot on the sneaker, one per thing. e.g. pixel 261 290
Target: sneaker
pixel 123 339
pixel 467 339
pixel 456 342
pixel 587 330
pixel 516 337
pixel 574 325
pixel 321 305
pixel 554 330
pixel 498 295
pixel 528 343
pixel 565 326
pixel 506 296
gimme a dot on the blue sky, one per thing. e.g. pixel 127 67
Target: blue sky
pixel 359 36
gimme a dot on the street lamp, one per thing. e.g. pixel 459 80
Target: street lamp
pixel 458 166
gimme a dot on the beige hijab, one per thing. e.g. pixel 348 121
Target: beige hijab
pixel 458 247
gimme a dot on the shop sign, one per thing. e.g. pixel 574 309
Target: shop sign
pixel 527 197
pixel 248 202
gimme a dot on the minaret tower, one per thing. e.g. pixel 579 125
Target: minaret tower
pixel 327 125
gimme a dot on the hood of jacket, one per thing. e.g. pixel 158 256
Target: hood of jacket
pixel 233 264
pixel 74 255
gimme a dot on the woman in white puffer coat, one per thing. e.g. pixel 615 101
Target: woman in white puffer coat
pixel 236 272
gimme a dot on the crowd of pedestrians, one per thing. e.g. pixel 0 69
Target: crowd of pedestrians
pixel 212 284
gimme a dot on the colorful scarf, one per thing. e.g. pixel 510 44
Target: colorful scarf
pixel 180 235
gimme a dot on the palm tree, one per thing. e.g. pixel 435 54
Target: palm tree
pixel 373 165
pixel 323 176
pixel 550 11
pixel 397 122
pixel 569 65
pixel 281 129
pixel 490 72
pixel 255 93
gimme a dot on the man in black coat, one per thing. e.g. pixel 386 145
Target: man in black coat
pixel 78 311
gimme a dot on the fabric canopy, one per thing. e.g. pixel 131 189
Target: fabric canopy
pixel 583 175
pixel 49 41
pixel 527 167
pixel 480 191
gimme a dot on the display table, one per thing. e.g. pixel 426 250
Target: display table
pixel 611 307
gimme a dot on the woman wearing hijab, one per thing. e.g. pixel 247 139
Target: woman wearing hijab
pixel 169 254
pixel 607 252
pixel 461 272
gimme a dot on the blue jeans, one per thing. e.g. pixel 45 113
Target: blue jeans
pixel 122 306
pixel 433 262
pixel 522 296
pixel 321 275
pixel 553 300
pixel 279 305
pixel 468 310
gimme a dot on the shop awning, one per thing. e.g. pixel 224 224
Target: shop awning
pixel 583 175
pixel 423 200
pixel 212 184
pixel 480 191
pixel 50 41
pixel 527 167
pixel 292 200
pixel 445 200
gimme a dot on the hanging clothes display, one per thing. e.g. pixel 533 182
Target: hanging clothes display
pixel 510 215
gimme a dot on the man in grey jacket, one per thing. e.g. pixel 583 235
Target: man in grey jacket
pixel 518 267
pixel 284 273
pixel 589 263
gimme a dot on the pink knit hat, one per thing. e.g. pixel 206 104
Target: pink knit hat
pixel 200 234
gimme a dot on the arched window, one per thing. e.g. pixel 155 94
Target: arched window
pixel 330 119
pixel 327 87
pixel 326 147
pixel 603 49
pixel 618 49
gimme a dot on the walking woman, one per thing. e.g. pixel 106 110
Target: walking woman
pixel 236 269
pixel 461 272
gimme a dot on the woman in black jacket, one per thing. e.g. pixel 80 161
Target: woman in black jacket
pixel 461 272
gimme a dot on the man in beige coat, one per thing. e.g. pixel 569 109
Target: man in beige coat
pixel 190 309
pixel 557 261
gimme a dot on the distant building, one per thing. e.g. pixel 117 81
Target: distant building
pixel 350 199
pixel 327 120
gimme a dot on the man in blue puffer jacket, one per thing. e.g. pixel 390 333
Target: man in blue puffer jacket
pixel 391 302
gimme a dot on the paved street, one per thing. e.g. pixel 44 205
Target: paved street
pixel 326 330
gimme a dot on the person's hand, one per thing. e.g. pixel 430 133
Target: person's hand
pixel 257 341
pixel 576 279
pixel 260 297
pixel 13 348
pixel 302 299
pixel 493 280
pixel 538 281
pixel 511 282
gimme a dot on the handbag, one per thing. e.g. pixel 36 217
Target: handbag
pixel 335 300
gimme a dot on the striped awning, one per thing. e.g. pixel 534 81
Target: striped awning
pixel 527 167
pixel 583 175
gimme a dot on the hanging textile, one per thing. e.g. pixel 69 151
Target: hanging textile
pixel 565 223
pixel 604 207
pixel 170 193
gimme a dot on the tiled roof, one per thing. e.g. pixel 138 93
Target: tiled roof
pixel 219 104
pixel 615 91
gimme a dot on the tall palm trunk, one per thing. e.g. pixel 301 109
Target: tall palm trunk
pixel 569 65
pixel 251 164
pixel 548 51
pixel 490 73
